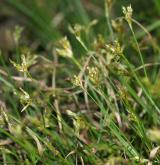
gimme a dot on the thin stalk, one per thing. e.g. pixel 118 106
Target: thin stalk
pixel 141 85
pixel 108 20
pixel 56 102
pixel 138 48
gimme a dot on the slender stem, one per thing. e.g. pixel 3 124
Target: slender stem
pixel 139 51
pixel 108 20
pixel 141 85
pixel 56 102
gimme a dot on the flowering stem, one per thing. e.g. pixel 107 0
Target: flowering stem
pixel 56 102
pixel 139 52
pixel 108 21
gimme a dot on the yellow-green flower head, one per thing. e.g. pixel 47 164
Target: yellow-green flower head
pixel 128 11
pixel 23 67
pixel 94 75
pixel 25 99
pixel 64 49
pixel 115 48
pixel 17 34
pixel 77 81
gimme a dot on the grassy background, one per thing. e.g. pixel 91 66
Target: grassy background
pixel 116 120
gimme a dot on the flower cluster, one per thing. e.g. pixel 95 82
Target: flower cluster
pixel 23 67
pixel 115 48
pixel 25 99
pixel 76 30
pixel 113 52
pixel 17 34
pixel 128 11
pixel 94 75
pixel 77 81
pixel 64 49
pixel 27 59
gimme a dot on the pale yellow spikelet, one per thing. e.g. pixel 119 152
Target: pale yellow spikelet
pixel 64 49
pixel 128 12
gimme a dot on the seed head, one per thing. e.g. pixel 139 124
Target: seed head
pixel 118 26
pixel 77 81
pixel 17 34
pixel 27 59
pixel 115 48
pixel 94 75
pixel 23 67
pixel 25 99
pixel 128 13
pixel 64 49
pixel 76 30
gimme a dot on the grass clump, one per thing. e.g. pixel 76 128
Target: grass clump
pixel 91 97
